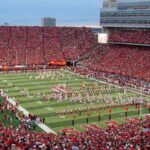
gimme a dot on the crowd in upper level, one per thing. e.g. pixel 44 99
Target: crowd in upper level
pixel 130 36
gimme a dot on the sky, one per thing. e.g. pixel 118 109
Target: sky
pixel 66 12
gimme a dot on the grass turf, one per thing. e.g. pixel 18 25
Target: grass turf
pixel 14 83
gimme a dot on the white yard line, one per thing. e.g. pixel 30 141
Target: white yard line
pixel 26 113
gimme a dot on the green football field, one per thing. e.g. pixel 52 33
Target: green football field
pixel 30 88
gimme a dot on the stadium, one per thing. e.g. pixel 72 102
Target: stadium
pixel 63 88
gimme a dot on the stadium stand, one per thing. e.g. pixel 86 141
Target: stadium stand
pixel 130 36
pixel 131 135
pixel 121 64
pixel 40 45
pixel 131 61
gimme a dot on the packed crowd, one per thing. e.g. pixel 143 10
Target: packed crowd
pixel 130 36
pixel 129 61
pixel 40 45
pixel 131 135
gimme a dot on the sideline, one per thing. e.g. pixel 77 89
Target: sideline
pixel 26 113
pixel 100 81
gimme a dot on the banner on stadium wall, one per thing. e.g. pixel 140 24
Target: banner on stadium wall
pixel 59 63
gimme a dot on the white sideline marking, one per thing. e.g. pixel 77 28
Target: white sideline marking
pixel 26 113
